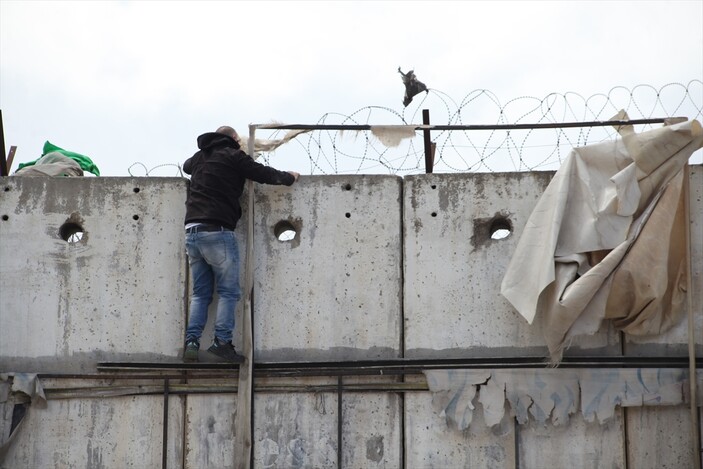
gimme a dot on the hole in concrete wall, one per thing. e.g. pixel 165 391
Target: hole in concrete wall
pixel 135 217
pixel 7 188
pixel 493 229
pixel 71 232
pixel 434 186
pixel 434 214
pixel 347 187
pixel 5 217
pixel 500 228
pixel 284 231
pixel 136 190
pixel 348 215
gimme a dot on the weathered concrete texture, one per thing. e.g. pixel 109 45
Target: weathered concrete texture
pixel 97 434
pixel 334 291
pixel 429 443
pixel 453 268
pixel 578 445
pixel 659 438
pixel 295 430
pixel 66 305
pixel 210 431
pixel 371 430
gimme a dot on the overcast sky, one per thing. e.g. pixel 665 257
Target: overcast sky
pixel 127 82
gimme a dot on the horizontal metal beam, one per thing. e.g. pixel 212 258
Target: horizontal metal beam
pixel 402 366
pixel 550 125
pixel 223 388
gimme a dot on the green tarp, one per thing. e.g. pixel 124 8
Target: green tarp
pixel 85 162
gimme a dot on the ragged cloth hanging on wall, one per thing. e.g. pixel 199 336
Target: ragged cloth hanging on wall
pixel 605 240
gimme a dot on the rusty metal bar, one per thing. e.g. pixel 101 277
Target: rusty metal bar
pixel 139 376
pixel 164 444
pixel 429 164
pixel 408 366
pixel 10 158
pixel 339 421
pixel 223 388
pixel 4 170
pixel 560 125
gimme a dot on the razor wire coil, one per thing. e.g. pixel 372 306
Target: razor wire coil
pixel 359 152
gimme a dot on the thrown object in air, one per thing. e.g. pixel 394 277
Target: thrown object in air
pixel 412 86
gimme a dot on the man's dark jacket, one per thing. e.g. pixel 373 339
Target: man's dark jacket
pixel 218 172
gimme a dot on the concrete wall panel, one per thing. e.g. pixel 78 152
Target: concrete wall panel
pixel 210 431
pixel 659 437
pixel 371 431
pixel 300 430
pixel 295 430
pixel 66 305
pixel 98 433
pixel 453 268
pixel 578 445
pixel 334 291
pixel 431 444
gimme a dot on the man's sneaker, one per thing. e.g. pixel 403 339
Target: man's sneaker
pixel 190 352
pixel 225 350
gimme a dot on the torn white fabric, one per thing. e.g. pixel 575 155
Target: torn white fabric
pixel 27 384
pixel 268 145
pixel 392 135
pixel 553 395
pixel 584 226
pixel 603 389
pixel 492 398
pixel 453 393
pixel 546 394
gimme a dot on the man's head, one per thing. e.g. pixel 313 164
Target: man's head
pixel 229 131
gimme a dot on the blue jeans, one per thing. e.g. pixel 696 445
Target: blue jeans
pixel 214 261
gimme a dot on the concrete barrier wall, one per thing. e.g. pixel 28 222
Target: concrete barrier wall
pixel 334 291
pixel 453 267
pixel 117 293
pixel 379 267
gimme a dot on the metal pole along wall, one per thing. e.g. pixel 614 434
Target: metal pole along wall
pixel 243 440
pixel 4 170
pixel 695 429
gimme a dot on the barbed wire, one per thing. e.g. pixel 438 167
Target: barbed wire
pixel 359 152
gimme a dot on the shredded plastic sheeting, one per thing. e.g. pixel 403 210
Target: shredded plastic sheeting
pixel 553 395
pixel 27 384
pixel 17 390
pixel 612 212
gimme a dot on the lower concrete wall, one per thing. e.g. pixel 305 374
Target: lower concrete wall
pixel 97 433
pixel 379 267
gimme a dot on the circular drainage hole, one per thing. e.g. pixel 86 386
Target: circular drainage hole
pixel 284 231
pixel 71 232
